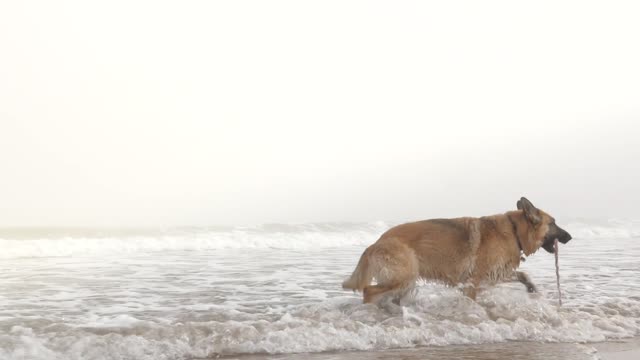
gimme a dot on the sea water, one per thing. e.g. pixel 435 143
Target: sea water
pixel 275 289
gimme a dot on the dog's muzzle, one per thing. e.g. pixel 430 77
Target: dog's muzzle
pixel 562 237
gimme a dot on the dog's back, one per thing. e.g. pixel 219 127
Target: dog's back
pixel 437 249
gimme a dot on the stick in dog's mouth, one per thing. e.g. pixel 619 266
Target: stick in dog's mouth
pixel 555 251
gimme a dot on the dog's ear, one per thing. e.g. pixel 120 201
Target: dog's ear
pixel 530 211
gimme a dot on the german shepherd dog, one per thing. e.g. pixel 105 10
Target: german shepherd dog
pixel 463 251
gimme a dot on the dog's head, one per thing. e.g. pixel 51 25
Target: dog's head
pixel 545 229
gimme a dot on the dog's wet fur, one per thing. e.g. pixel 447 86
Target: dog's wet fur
pixel 463 251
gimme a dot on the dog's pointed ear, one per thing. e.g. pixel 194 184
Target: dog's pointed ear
pixel 530 211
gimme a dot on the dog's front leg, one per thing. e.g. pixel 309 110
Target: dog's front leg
pixel 470 290
pixel 522 277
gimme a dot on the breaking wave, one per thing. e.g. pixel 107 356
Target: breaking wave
pixel 276 236
pixel 275 289
pixel 436 317
pixel 305 236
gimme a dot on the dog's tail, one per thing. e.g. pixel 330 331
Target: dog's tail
pixel 361 276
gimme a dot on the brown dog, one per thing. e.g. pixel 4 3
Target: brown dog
pixel 468 251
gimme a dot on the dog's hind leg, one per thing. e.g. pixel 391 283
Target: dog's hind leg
pixel 395 269
pixel 522 277
pixel 373 293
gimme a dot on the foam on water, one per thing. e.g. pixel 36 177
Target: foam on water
pixel 276 236
pixel 438 317
pixel 303 236
pixel 279 292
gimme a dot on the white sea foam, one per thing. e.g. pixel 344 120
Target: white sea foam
pixel 303 237
pixel 208 292
pixel 439 317
pixel 306 236
pixel 613 228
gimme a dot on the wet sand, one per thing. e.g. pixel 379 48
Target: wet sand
pixel 627 349
pixel 621 350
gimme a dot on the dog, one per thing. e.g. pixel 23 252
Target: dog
pixel 462 251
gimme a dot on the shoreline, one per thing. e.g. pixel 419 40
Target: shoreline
pixel 622 349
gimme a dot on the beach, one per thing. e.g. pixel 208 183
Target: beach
pixel 274 291
pixel 628 349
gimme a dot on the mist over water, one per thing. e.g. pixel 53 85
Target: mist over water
pixel 203 292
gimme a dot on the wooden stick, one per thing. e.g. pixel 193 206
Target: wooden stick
pixel 555 248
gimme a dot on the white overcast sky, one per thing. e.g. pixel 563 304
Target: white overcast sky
pixel 155 113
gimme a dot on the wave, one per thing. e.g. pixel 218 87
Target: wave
pixel 437 317
pixel 274 236
pixel 608 229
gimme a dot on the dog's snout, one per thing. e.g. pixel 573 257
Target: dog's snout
pixel 564 236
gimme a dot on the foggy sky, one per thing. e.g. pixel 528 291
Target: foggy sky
pixel 153 113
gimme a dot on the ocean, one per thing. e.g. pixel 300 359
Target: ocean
pixel 275 290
